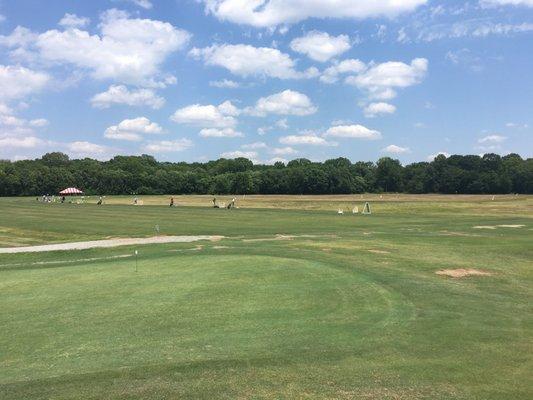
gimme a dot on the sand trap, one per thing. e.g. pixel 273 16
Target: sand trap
pixel 511 226
pixel 461 272
pixel 484 227
pixel 108 243
pixel 288 237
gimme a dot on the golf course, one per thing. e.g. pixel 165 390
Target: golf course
pixel 281 297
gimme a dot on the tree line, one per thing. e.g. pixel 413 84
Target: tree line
pixel 144 175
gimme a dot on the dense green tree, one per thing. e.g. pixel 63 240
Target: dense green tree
pixel 145 175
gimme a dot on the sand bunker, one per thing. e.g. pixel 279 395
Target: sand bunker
pixel 511 226
pixel 462 272
pixel 484 227
pixel 108 243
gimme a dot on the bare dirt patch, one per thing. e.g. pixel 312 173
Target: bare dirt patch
pixel 108 243
pixel 462 272
pixel 379 251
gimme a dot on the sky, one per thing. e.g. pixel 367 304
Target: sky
pixel 270 80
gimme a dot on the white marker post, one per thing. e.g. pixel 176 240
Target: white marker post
pixel 136 253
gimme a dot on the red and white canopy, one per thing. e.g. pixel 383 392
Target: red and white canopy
pixel 70 191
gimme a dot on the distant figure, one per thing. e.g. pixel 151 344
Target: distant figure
pixel 231 204
pixel 215 205
pixel 135 201
pixel 172 202
pixel 99 201
pixel 63 199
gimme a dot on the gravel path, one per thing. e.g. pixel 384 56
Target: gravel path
pixel 107 243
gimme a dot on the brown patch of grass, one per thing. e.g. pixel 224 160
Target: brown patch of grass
pixel 462 272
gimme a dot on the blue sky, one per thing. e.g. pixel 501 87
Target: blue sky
pixel 270 80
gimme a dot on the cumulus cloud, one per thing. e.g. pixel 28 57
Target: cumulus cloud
pixel 320 46
pixel 331 74
pixel 251 155
pixel 128 50
pixel 224 84
pixel 207 116
pixel 374 109
pixel 245 60
pixel 168 146
pixel 120 94
pixel 305 139
pixel 353 132
pixel 27 142
pixel 87 149
pixel 288 102
pixel 270 13
pixel 254 146
pixel 132 129
pixel 220 133
pixel 18 82
pixel 73 21
pixel 380 81
pixel 393 149
pixel 283 151
pixel 146 4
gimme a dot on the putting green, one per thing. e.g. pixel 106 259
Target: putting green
pixel 187 308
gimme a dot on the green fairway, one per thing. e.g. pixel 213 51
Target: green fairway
pixel 291 303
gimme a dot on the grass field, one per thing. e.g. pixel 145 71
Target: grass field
pixel 295 302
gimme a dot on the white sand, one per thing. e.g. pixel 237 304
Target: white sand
pixel 107 243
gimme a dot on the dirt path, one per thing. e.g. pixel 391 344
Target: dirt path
pixel 107 243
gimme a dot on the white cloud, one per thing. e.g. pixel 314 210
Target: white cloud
pixel 287 102
pixel 264 13
pixel 73 21
pixel 477 28
pixel 320 46
pixel 527 3
pixel 28 142
pixel 219 133
pixel 129 50
pixel 251 155
pixel 245 60
pixel 516 125
pixel 168 146
pixel 120 94
pixel 208 116
pixel 282 124
pixel 18 82
pixel 277 159
pixel 354 132
pixel 331 74
pixel 492 139
pixel 305 139
pixel 374 109
pixel 431 157
pixel 132 129
pixel 283 151
pixel 254 146
pixel 86 149
pixel 225 84
pixel 146 4
pixel 381 80
pixel 393 149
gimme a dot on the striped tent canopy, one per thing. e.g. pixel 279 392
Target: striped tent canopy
pixel 70 191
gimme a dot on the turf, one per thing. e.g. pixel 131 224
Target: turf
pixel 344 307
